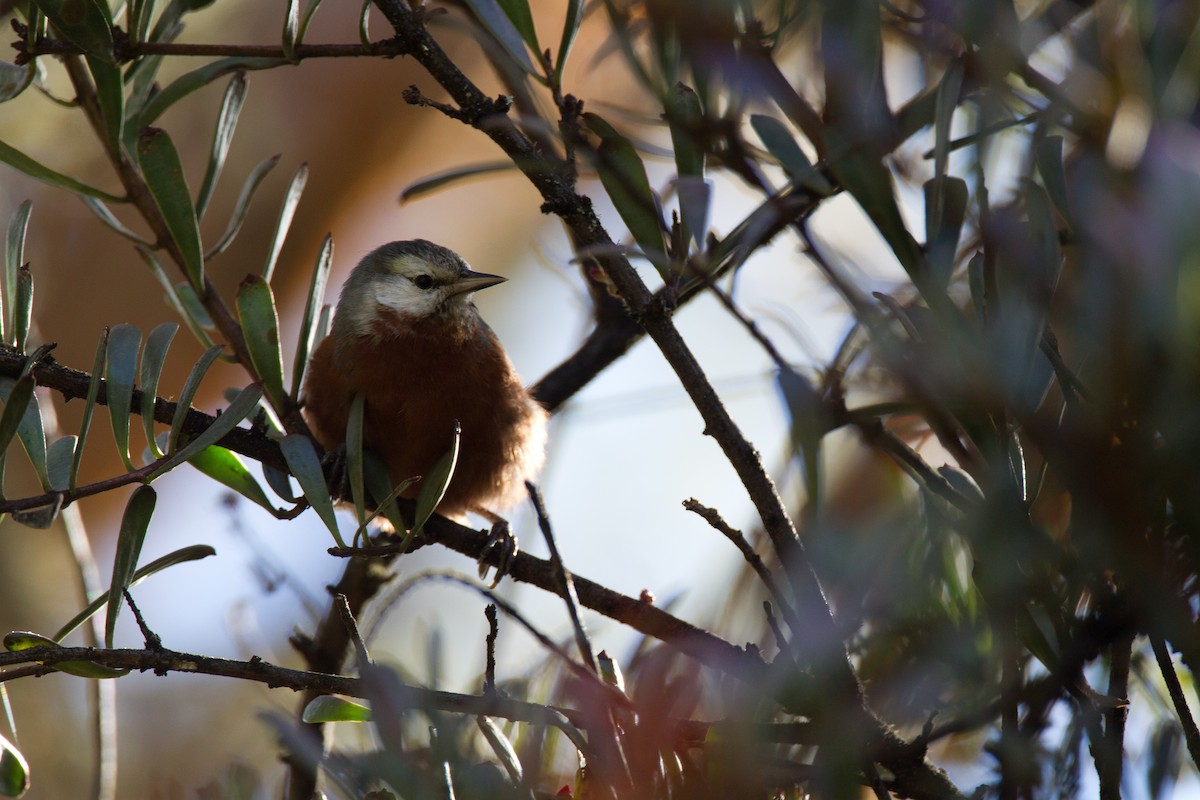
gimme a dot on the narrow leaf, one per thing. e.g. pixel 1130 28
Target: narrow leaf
pixel 945 211
pixel 192 314
pixel 519 15
pixel 302 460
pixel 227 119
pixel 291 22
pixel 89 406
pixel 685 119
pixel 123 343
pixel 779 143
pixel 260 324
pixel 14 770
pixel 241 407
pixel 441 179
pixel 286 212
pixel 1049 155
pixel 379 484
pixel 226 468
pixel 14 79
pixel 433 486
pixel 364 22
pixel 24 309
pixel 30 429
pixel 354 457
pixel 198 78
pixel 102 212
pixel 38 171
pixel 488 12
pixel 191 385
pixel 328 708
pixel 193 552
pixel 16 641
pixel 307 339
pixel 17 395
pixel 130 538
pixel 164 176
pixel 947 101
pixel 695 204
pixel 570 28
pixel 153 356
pixel 502 748
pixel 84 23
pixel 306 16
pixel 14 259
pixel 59 458
pixel 110 95
pixel 624 178
pixel 871 184
pixel 242 206
pixel 280 483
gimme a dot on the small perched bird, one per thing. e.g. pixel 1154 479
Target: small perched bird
pixel 407 337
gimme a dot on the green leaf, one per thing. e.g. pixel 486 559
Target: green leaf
pixel 779 143
pixel 291 23
pixel 242 406
pixel 570 29
pixel 189 310
pixel 306 16
pixel 489 13
pixel 947 101
pixel 519 15
pixel 89 405
pixel 1048 153
pixel 16 401
pixel 227 119
pixel 945 211
pixel 59 458
pixel 379 484
pixel 108 218
pixel 19 396
pixel 141 12
pixel 23 163
pixel 130 538
pixel 14 259
pixel 123 343
pixel 14 770
pixel 695 204
pixel 624 178
pixel 280 483
pixel 191 385
pixel 17 641
pixel 284 222
pixel 433 486
pixel 260 325
pixel 110 95
pixel 307 339
pixel 84 23
pixel 302 460
pixel 226 468
pixel 328 708
pixel 354 457
pixel 242 206
pixel 441 179
pixel 164 176
pixel 364 20
pixel 193 552
pixel 501 747
pixel 14 79
pixel 153 356
pixel 24 310
pixel 198 78
pixel 685 118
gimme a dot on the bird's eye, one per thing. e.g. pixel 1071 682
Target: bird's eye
pixel 423 282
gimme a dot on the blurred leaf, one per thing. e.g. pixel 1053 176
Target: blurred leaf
pixel 123 343
pixel 14 79
pixel 502 748
pixel 101 211
pixel 685 118
pixel 302 460
pixel 779 143
pixel 498 24
pixel 198 78
pixel 328 708
pixel 40 517
pixel 227 119
pixel 153 356
pixel 24 310
pixel 59 458
pixel 110 95
pixel 624 178
pixel 23 163
pixel 1049 155
pixel 164 177
pixel 519 15
pixel 433 485
pixel 379 484
pixel 354 456
pixel 441 179
pixel 364 19
pixel 947 101
pixel 141 12
pixel 130 538
pixel 14 770
pixel 571 25
pixel 190 311
pixel 14 259
pixel 226 468
pixel 946 201
pixel 310 8
pixel 86 24
pixel 17 395
pixel 1165 763
pixel 89 405
pixel 284 222
pixel 307 339
pixel 280 483
pixel 695 204
pixel 260 324
pixel 193 552
pixel 242 406
pixel 978 288
pixel 242 206
pixel 291 24
pixel 190 386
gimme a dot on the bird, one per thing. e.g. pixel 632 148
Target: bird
pixel 408 338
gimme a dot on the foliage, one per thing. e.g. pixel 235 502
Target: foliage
pixel 1035 192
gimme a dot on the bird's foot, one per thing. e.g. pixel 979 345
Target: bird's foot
pixel 337 473
pixel 499 547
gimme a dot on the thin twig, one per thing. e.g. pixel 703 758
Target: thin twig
pixel 1188 723
pixel 489 670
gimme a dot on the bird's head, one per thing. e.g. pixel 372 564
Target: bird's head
pixel 415 280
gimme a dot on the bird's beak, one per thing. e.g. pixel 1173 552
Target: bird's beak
pixel 473 282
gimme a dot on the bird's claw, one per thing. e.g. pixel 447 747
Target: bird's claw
pixel 337 474
pixel 501 546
